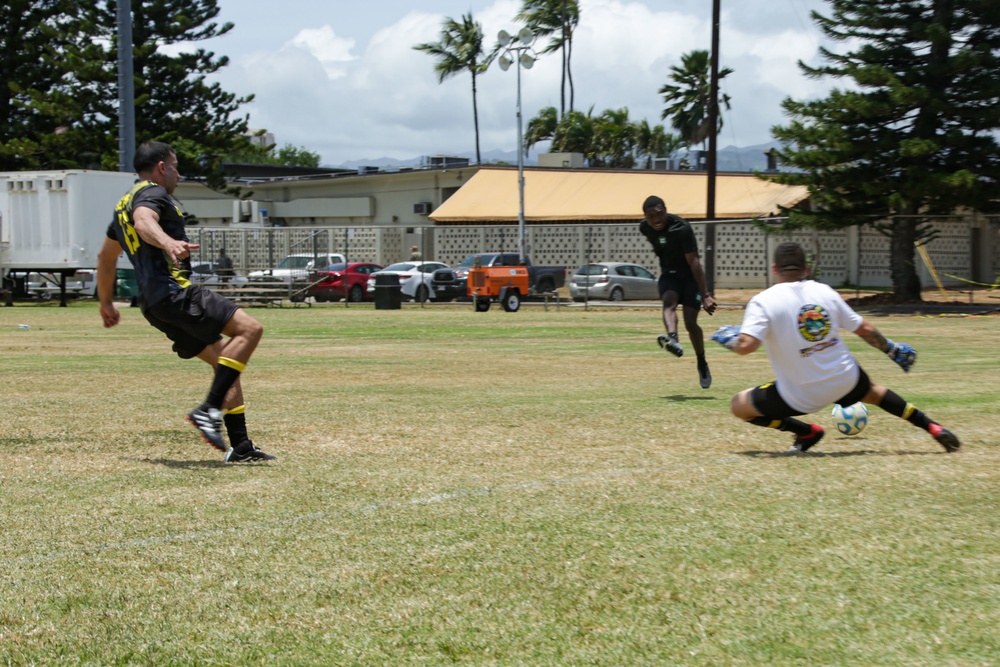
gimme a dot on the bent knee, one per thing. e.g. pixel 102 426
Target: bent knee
pixel 244 325
pixel 742 407
pixel 255 330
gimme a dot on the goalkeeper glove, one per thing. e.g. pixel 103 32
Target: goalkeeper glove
pixel 727 335
pixel 902 354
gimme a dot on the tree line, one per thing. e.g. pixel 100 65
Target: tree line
pixel 59 83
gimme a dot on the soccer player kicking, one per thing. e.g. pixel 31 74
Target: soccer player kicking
pixel 799 322
pixel 681 281
pixel 149 226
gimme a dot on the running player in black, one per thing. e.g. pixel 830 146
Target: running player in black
pixel 149 226
pixel 682 280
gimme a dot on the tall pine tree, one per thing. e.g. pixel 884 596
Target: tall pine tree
pixel 173 99
pixel 32 35
pixel 912 135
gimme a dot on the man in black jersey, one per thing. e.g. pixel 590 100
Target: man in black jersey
pixel 681 281
pixel 149 226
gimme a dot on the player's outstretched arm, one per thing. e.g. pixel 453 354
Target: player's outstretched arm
pixel 902 354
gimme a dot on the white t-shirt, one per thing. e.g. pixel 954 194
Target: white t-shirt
pixel 800 325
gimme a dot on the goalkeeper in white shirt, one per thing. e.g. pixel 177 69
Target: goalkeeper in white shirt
pixel 799 322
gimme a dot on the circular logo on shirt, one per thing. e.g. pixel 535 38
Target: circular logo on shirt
pixel 814 323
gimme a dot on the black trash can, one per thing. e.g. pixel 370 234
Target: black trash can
pixel 387 292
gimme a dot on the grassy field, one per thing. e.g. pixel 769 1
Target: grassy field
pixel 538 488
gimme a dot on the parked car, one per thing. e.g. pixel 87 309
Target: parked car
pixel 615 281
pixel 205 273
pixel 446 285
pixel 296 267
pixel 439 285
pixel 405 271
pixel 329 284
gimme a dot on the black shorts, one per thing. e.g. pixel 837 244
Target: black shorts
pixel 767 401
pixel 686 288
pixel 192 318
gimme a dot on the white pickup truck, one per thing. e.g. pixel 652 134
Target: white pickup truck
pixel 296 267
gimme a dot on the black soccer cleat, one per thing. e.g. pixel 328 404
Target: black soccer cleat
pixel 804 442
pixel 670 345
pixel 945 438
pixel 209 424
pixel 246 451
pixel 704 375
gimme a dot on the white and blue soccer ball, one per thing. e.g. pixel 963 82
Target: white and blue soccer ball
pixel 850 419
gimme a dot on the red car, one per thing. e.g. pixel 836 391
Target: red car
pixel 328 284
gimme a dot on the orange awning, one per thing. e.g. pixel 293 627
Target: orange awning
pixel 491 195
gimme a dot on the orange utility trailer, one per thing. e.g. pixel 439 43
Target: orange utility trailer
pixel 506 284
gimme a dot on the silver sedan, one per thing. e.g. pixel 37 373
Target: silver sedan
pixel 615 281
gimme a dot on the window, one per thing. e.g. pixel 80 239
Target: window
pixel 643 273
pixel 592 270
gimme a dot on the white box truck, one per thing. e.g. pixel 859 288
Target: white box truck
pixel 52 225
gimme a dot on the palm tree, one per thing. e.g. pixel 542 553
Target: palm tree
pixel 460 49
pixel 614 139
pixel 556 18
pixel 689 100
pixel 541 128
pixel 608 140
pixel 575 134
pixel 655 141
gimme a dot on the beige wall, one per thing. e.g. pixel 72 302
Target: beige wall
pixel 373 215
pixel 385 198
pixel 742 252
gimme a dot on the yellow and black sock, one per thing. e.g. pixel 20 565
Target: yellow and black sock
pixel 235 420
pixel 795 426
pixel 894 404
pixel 226 374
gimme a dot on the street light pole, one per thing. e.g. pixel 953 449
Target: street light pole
pixel 520 172
pixel 517 48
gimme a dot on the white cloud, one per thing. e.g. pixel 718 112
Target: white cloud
pixel 351 95
pixel 331 51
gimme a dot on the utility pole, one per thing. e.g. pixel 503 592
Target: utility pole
pixel 126 88
pixel 713 144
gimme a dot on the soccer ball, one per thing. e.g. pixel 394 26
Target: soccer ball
pixel 850 419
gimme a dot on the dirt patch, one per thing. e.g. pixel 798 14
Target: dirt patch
pixel 970 302
pixel 888 299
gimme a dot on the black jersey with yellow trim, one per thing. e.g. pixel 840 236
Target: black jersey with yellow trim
pixel 156 275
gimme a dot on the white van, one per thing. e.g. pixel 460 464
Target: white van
pixel 297 266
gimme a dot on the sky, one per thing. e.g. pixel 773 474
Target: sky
pixel 342 79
